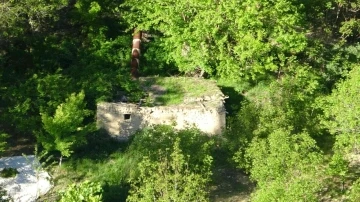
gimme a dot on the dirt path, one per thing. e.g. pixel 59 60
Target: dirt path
pixel 230 185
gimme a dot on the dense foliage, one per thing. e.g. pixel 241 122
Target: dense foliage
pixel 85 191
pixel 291 68
pixel 285 166
pixel 3 143
pixel 342 112
pixel 65 130
pixel 170 179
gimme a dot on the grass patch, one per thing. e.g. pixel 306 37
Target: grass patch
pixel 112 173
pixel 113 164
pixel 103 160
pixel 176 90
pixel 239 91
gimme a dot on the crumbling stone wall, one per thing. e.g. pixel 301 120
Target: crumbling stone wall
pixel 121 120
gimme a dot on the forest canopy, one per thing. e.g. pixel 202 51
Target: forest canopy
pixel 291 70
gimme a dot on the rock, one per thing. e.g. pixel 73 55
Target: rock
pixel 30 183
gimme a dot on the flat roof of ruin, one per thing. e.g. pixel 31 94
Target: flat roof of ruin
pixel 169 91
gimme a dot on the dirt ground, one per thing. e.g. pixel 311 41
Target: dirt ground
pixel 230 185
pixel 18 146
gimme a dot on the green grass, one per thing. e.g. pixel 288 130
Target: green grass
pixel 112 172
pixel 102 160
pixel 174 90
pixel 113 164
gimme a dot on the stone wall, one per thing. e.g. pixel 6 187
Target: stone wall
pixel 121 120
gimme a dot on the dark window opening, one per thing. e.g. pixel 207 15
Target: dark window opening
pixel 127 116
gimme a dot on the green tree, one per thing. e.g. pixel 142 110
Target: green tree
pixel 65 130
pixel 286 167
pixel 341 118
pixel 342 112
pixel 51 48
pixel 230 39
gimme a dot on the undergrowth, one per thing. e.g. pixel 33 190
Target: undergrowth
pixel 114 164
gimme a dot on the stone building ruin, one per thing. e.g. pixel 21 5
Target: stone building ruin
pixel 204 110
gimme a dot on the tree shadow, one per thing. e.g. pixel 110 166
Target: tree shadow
pixel 228 182
pixel 326 143
pixel 100 146
pixel 233 103
pixel 115 192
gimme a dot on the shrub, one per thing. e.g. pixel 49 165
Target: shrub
pixel 341 114
pixel 8 172
pixel 175 165
pixel 85 191
pixel 170 178
pixel 287 167
pixel 193 143
pixel 354 192
pixel 3 143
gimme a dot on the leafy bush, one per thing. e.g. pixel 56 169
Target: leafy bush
pixel 3 143
pixel 286 103
pixel 85 191
pixel 342 112
pixel 239 131
pixel 287 167
pixel 341 119
pixel 289 104
pixel 354 192
pixel 193 143
pixel 175 165
pixel 8 172
pixel 170 178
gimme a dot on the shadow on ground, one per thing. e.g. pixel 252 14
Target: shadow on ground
pixel 233 103
pixel 229 184
pixel 19 145
pixel 100 146
pixel 115 193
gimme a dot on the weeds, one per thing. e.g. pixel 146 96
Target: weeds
pixel 176 90
pixel 8 172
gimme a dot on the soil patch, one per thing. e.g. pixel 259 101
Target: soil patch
pixel 18 145
pixel 230 185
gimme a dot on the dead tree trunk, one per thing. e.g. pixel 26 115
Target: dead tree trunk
pixel 135 54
